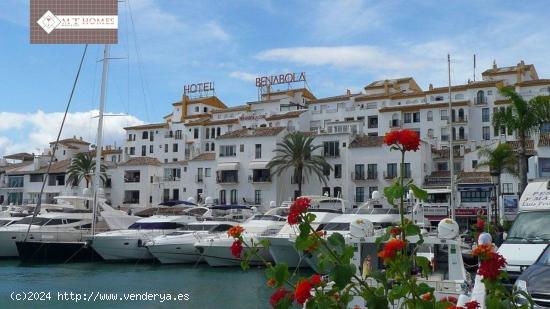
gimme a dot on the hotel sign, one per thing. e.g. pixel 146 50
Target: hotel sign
pixel 245 117
pixel 205 87
pixel 287 78
pixel 74 21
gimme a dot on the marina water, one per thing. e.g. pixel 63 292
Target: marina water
pixel 206 287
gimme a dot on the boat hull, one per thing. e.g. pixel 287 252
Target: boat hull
pixel 120 249
pixel 175 253
pixel 282 251
pixel 220 256
pixel 55 252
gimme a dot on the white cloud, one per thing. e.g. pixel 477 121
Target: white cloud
pixel 244 76
pixel 32 132
pixel 214 30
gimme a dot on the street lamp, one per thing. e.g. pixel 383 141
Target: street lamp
pixel 495 178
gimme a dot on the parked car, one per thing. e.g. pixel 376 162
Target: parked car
pixel 536 280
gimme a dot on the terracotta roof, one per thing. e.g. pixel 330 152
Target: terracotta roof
pixel 529 144
pixel 534 82
pixel 444 153
pixel 506 70
pixel 474 177
pixel 287 115
pixel 11 166
pixel 148 126
pixel 205 156
pixel 380 83
pixel 20 156
pixel 441 174
pixel 210 122
pixel 414 107
pixel 71 141
pixel 141 161
pixel 544 139
pixel 305 93
pixel 57 167
pixel 471 85
pixel 257 132
pixel 230 109
pixel 367 141
pixel 169 115
pixel 503 101
pixel 334 98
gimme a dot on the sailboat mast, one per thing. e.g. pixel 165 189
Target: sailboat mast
pixel 451 152
pixel 99 139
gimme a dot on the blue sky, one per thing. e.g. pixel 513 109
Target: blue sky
pixel 340 44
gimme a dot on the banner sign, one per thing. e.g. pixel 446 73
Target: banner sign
pixel 200 88
pixel 74 21
pixel 287 78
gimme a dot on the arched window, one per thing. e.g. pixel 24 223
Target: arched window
pixel 480 97
pixel 395 120
pixel 212 147
pixel 453 114
pixel 461 135
pixel 454 133
pixel 207 147
pixel 218 131
pixel 430 132
pixel 430 116
pixel 145 135
pixel 461 114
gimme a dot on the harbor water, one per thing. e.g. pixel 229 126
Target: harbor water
pixel 133 285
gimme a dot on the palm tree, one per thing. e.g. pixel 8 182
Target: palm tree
pixel 524 117
pixel 296 152
pixel 499 160
pixel 83 167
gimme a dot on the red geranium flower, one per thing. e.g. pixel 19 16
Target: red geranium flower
pixel 490 267
pixel 471 305
pixel 407 140
pixel 279 295
pixel 237 248
pixel 395 231
pixel 391 248
pixel 235 231
pixel 299 206
pixel 271 282
pixel 450 299
pixel 426 297
pixel 315 280
pixel 302 292
pixel 480 225
pixel 483 251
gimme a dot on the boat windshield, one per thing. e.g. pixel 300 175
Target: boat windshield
pixel 205 227
pixel 378 211
pixel 530 227
pixel 4 222
pixel 268 218
pixel 335 226
pixel 155 226
pixel 39 221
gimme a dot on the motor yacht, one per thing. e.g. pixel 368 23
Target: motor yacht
pixel 216 248
pixel 129 244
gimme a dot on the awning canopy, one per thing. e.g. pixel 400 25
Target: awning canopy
pixel 232 166
pixel 442 190
pixel 259 165
pixel 475 187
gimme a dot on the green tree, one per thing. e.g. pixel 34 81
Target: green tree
pixel 83 167
pixel 296 152
pixel 501 159
pixel 523 117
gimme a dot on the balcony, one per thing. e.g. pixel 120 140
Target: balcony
pixel 463 119
pixel 480 100
pixel 131 177
pixel 131 201
pixel 169 135
pixel 227 177
pixel 358 176
pixel 262 179
pixel 389 175
pixel 199 178
pixel 171 178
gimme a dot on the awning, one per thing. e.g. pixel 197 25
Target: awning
pixel 475 187
pixel 228 166
pixel 259 165
pixel 433 191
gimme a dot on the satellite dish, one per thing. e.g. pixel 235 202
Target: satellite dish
pixel 208 200
pixel 191 200
pixel 272 204
pixel 447 229
pixel 361 228
pixel 376 195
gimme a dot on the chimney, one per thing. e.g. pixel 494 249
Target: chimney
pixel 348 92
pixel 431 87
pixel 494 64
pixel 386 89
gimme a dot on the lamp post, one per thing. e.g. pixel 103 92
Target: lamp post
pixel 495 179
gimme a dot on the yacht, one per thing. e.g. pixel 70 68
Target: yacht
pixel 178 247
pixel 281 244
pixel 129 244
pixel 216 248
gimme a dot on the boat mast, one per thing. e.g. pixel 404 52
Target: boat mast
pixel 99 139
pixel 451 152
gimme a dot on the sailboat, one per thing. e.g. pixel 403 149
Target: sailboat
pixel 75 249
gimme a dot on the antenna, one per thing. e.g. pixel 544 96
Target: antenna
pixel 474 67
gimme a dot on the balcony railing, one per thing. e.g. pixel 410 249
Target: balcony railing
pixel 357 176
pixel 389 175
pixel 463 119
pixel 253 179
pixel 131 178
pixel 131 201
pixel 199 178
pixel 480 100
pixel 359 198
pixel 227 180
pixel 171 178
pixel 395 123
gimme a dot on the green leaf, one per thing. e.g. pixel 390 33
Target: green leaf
pixel 424 264
pixel 342 274
pixel 264 243
pixel 419 193
pixel 412 230
pixel 337 242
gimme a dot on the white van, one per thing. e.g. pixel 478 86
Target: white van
pixel 530 233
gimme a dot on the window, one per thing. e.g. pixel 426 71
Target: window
pixel 228 151
pixel 474 163
pixel 371 191
pixel 486 133
pixel 196 133
pixel 205 109
pixel 444 114
pixel 507 188
pixel 444 134
pixel 407 117
pixel 131 197
pixel 407 170
pixel 213 132
pixel 212 146
pixel 151 148
pixel 372 172
pixel 331 149
pixel 359 194
pixel 430 116
pixel 132 151
pixel 474 196
pixel 176 194
pixel 207 172
pixel 199 174
pixel 144 135
pixel 37 178
pixel 241 148
pixel 207 147
pixel 391 170
pixel 174 147
pixel 143 151
pixel 459 96
pixel 416 117
pixel 178 134
pixel 326 191
pixel 196 109
pixel 337 170
pixel 337 192
pixel 233 196
pixel 166 148
pixel 485 114
pixel 372 122
pixel 218 131
pixel 359 173
pixel 223 201
pixel 207 133
pixel 165 195
pixel 442 166
pixel 258 197
pixel 258 151
pixel 152 136
pixel 326 170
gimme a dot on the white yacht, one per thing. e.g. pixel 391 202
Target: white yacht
pixel 281 244
pixel 179 246
pixel 216 248
pixel 129 244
